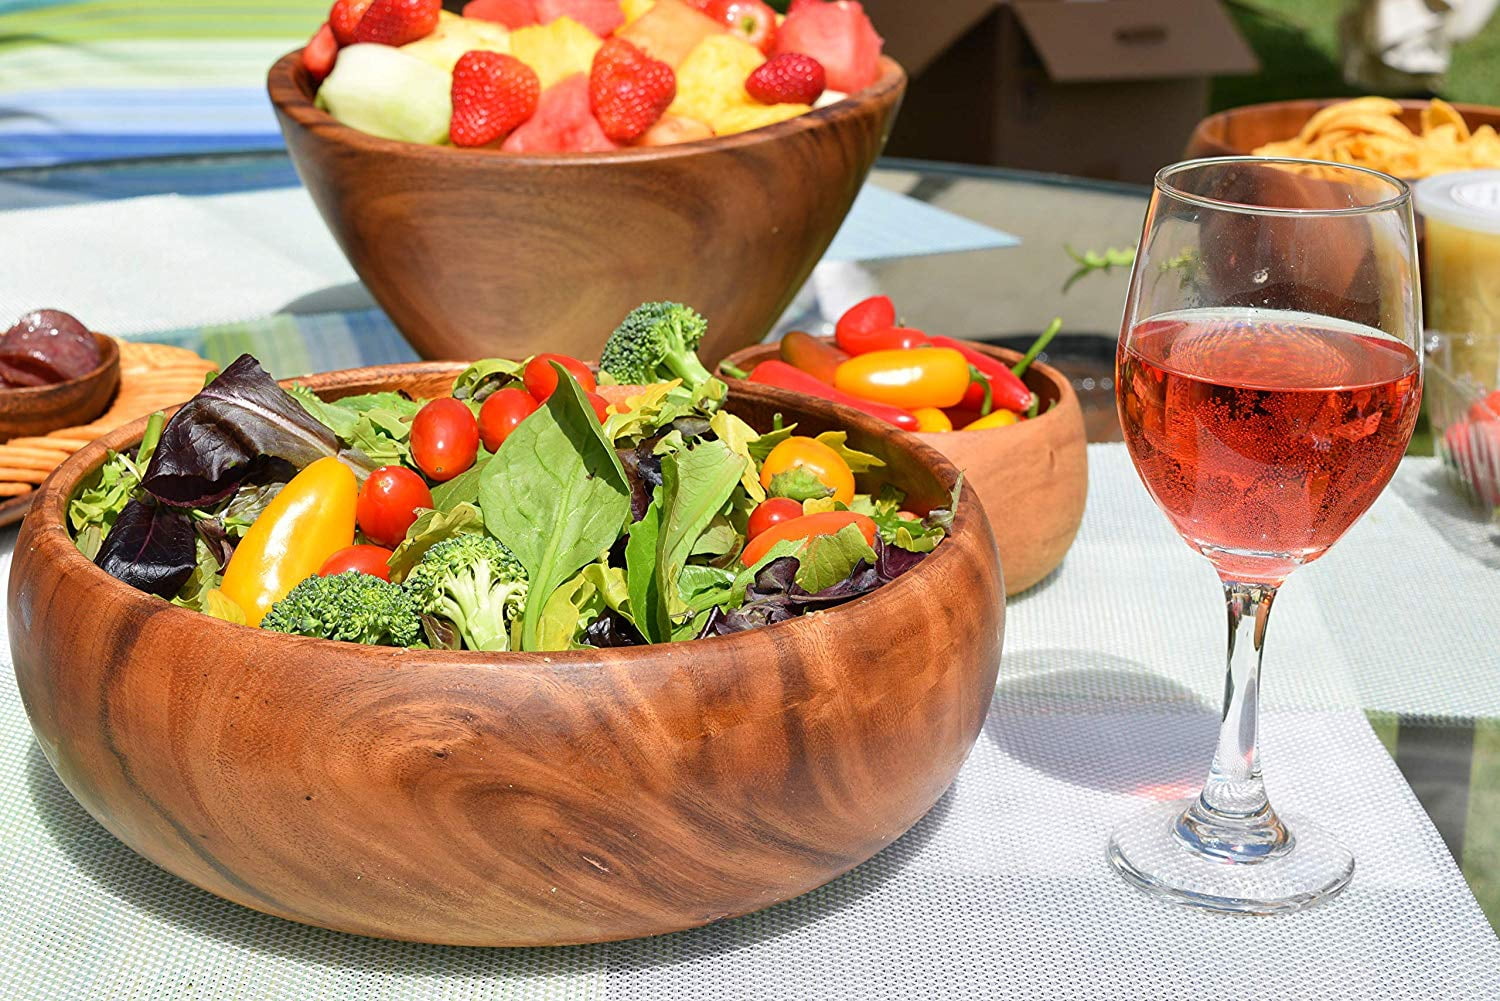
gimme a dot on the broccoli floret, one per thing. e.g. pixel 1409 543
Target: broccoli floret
pixel 352 606
pixel 658 341
pixel 474 582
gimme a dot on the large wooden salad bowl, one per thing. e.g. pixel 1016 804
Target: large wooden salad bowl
pixel 478 253
pixel 510 799
pixel 1032 478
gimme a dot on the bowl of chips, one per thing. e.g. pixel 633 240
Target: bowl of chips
pixel 1407 139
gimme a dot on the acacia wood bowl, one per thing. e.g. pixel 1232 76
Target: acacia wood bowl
pixel 1031 477
pixel 479 253
pixel 510 799
pixel 36 410
pixel 1241 131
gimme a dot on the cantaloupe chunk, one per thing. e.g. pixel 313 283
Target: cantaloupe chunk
pixel 670 30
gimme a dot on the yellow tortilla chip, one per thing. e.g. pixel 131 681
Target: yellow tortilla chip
pixel 1439 113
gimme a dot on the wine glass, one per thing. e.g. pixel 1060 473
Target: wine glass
pixel 1268 381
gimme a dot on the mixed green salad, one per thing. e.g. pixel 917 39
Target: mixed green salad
pixel 538 506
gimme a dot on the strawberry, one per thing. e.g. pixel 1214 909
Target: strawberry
pixel 493 94
pixel 752 20
pixel 398 22
pixel 797 5
pixel 344 18
pixel 838 35
pixel 628 90
pixel 790 78
pixel 319 53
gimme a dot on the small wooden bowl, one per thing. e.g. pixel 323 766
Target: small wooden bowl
pixel 1031 477
pixel 1241 131
pixel 479 253
pixel 510 799
pixel 36 410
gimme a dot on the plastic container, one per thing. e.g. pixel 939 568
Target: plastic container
pixel 1461 291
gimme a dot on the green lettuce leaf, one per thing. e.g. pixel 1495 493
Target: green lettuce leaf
pixel 828 559
pixel 430 528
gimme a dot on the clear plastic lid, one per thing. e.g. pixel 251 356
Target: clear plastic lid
pixel 1467 199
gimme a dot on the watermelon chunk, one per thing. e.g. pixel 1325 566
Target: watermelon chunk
pixel 511 13
pixel 840 36
pixel 563 122
pixel 602 17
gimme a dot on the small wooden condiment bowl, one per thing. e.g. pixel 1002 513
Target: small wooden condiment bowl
pixel 1031 477
pixel 511 799
pixel 36 410
pixel 1241 131
pixel 477 253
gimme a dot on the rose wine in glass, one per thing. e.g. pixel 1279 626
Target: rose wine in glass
pixel 1268 381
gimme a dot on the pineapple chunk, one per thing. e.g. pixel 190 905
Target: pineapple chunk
pixel 711 80
pixel 556 50
pixel 456 35
pixel 744 117
pixel 635 8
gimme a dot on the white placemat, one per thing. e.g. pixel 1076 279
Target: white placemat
pixel 1001 892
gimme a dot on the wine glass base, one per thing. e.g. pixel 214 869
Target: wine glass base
pixel 1148 853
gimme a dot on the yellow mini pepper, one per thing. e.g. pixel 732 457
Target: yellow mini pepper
pixel 932 419
pixel 993 419
pixel 911 378
pixel 308 521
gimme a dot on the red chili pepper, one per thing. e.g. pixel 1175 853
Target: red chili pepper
pixel 1007 390
pixel 816 356
pixel 864 317
pixel 784 376
pixel 884 339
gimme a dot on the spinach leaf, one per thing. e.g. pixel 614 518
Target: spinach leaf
pixel 556 495
pixel 646 606
pixel 463 488
pixel 696 483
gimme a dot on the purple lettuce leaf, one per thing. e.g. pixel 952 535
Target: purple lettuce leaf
pixel 151 547
pixel 213 442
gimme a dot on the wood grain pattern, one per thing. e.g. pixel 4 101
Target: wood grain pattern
pixel 37 410
pixel 478 253
pixel 1239 131
pixel 1031 477
pixel 510 799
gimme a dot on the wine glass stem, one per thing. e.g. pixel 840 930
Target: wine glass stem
pixel 1232 819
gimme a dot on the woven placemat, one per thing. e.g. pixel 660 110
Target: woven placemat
pixel 152 376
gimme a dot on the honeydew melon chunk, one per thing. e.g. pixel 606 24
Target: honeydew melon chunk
pixel 456 35
pixel 389 93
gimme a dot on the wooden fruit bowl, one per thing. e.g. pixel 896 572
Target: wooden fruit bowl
pixel 1031 477
pixel 478 253
pixel 36 410
pixel 510 799
pixel 1241 131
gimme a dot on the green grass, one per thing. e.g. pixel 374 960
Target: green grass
pixel 1297 42
pixel 1481 861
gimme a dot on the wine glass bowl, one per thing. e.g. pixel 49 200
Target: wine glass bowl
pixel 1268 380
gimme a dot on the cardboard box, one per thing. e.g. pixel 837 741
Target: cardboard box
pixel 1099 88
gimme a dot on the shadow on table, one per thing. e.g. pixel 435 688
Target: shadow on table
pixel 1099 721
pixel 162 897
pixel 1454 518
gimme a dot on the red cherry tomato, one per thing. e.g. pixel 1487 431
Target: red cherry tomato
pixel 388 504
pixel 364 559
pixel 541 378
pixel 444 438
pixel 772 512
pixel 501 412
pixel 600 405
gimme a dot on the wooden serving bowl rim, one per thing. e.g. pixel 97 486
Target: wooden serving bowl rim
pixel 290 89
pixel 1060 382
pixel 109 352
pixel 51 537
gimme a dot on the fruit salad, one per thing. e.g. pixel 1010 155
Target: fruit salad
pixel 584 76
